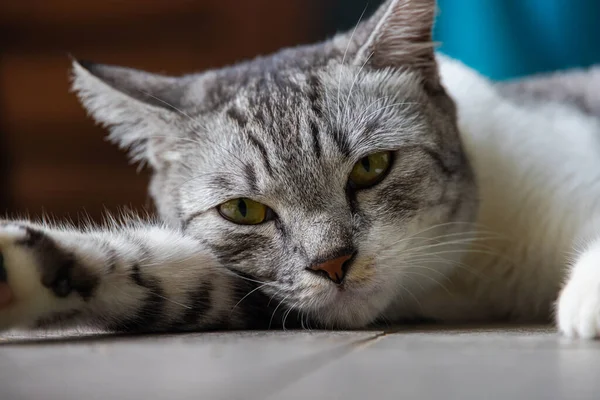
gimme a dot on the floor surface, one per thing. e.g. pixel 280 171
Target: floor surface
pixel 417 363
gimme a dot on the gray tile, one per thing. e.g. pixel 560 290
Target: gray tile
pixel 532 363
pixel 418 363
pixel 245 365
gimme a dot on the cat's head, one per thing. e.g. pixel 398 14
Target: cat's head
pixel 334 173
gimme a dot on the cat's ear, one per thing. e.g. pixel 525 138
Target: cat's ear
pixel 139 108
pixel 399 35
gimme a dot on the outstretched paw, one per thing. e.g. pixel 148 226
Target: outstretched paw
pixel 19 278
pixel 28 288
pixel 578 309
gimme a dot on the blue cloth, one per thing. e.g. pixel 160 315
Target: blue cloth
pixel 510 38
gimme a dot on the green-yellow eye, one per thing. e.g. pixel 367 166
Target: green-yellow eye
pixel 244 211
pixel 370 170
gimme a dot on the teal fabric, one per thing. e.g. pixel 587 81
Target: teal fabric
pixel 510 38
pixel 505 38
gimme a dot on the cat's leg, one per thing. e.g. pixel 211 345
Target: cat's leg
pixel 135 278
pixel 578 308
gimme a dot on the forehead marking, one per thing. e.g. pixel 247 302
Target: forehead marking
pixel 262 151
pixel 236 115
pixel 316 144
pixel 251 177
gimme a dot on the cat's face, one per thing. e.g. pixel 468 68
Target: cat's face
pixel 331 159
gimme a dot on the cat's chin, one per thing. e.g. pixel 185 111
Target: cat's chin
pixel 349 306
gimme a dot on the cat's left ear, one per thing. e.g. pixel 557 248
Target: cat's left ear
pixel 139 108
pixel 399 35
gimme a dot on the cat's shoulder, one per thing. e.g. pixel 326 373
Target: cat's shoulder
pixel 485 109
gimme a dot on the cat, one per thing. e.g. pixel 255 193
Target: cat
pixel 366 179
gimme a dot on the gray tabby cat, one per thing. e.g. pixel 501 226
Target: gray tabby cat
pixel 359 180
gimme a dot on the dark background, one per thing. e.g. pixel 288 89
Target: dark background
pixel 53 159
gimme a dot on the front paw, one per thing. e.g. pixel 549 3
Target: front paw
pixel 578 308
pixel 19 279
pixel 26 290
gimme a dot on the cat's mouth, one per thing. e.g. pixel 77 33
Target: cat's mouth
pixel 359 276
pixel 359 282
pixel 349 305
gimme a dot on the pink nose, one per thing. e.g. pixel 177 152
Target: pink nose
pixel 334 268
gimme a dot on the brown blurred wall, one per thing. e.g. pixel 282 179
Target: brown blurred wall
pixel 53 158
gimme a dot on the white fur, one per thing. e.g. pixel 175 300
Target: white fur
pixel 538 170
pixel 578 312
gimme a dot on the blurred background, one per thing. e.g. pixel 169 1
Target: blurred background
pixel 54 160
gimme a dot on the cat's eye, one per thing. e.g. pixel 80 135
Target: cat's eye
pixel 370 170
pixel 244 211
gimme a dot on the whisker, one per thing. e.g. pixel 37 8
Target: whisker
pixel 440 284
pixel 356 120
pixel 232 272
pixel 407 275
pixel 431 278
pixel 344 61
pixel 273 296
pixel 446 224
pixel 275 310
pixel 248 294
pixel 424 247
pixel 287 313
pixel 354 82
pixel 170 300
pixel 471 236
pixel 456 264
pixel 404 288
pixel 475 251
pixel 389 106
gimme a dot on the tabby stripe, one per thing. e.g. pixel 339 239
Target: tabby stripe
pixel 313 95
pixel 314 132
pixel 438 159
pixel 251 177
pixel 341 141
pixel 263 152
pixel 235 114
pixel 111 258
pixel 148 316
pixel 199 304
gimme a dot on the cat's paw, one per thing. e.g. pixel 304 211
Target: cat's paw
pixel 578 308
pixel 23 296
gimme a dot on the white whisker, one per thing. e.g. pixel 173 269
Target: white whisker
pixel 276 308
pixel 344 61
pixel 248 294
pixel 353 84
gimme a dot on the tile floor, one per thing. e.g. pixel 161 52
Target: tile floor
pixel 407 363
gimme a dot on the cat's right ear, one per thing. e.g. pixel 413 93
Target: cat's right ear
pixel 139 108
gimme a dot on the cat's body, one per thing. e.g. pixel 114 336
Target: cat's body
pixel 538 174
pixel 334 185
